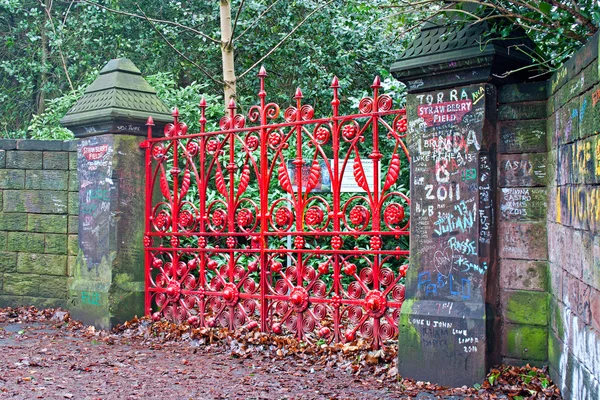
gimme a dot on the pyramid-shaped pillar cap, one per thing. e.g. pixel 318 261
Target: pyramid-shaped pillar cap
pixel 447 53
pixel 119 101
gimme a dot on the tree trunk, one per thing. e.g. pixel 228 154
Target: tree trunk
pixel 227 52
pixel 41 100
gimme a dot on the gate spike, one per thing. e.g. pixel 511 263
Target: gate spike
pixel 263 72
pixel 335 83
pixel 376 82
pixel 150 121
pixel 175 112
pixel 232 105
pixel 202 102
pixel 298 94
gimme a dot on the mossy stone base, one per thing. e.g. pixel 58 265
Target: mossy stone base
pixel 445 345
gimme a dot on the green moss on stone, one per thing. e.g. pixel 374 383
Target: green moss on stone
pixel 56 244
pixel 13 221
pixel 526 342
pixel 26 242
pixel 527 307
pixel 8 261
pixel 47 223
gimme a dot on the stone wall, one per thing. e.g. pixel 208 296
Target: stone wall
pixel 574 224
pixel 522 205
pixel 38 221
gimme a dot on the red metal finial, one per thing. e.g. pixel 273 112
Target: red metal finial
pixel 232 105
pixel 150 121
pixel 202 102
pixel 263 72
pixel 298 94
pixel 376 82
pixel 175 112
pixel 335 83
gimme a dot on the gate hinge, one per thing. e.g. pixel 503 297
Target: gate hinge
pixel 145 144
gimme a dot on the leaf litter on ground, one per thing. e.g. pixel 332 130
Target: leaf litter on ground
pixel 355 358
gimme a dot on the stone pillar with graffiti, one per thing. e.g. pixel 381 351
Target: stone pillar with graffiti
pixel 449 324
pixel 107 284
pixel 452 188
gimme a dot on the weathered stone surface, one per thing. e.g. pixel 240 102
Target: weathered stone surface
pixel 556 273
pixel 56 160
pixel 47 223
pixel 567 123
pixel 8 261
pixel 2 158
pixel 26 242
pixel 579 207
pixel 24 159
pixel 523 92
pixel 590 76
pixel 73 245
pixel 518 170
pixel 525 307
pixel 70 145
pixel 523 241
pixel 56 244
pixel 43 264
pixel 522 111
pixel 8 144
pixel 595 309
pixel 73 203
pixel 522 136
pixel 12 179
pixel 524 275
pixel 558 80
pixel 53 287
pixel 35 201
pixel 35 144
pixel 73 181
pixel 3 240
pixel 73 160
pixel 523 204
pixel 71 265
pixel 13 221
pixel 46 180
pixel 73 224
pixel 21 284
pixel 583 303
pixel 574 261
pixel 39 302
pixel 570 290
pixel 525 342
pixel 596 270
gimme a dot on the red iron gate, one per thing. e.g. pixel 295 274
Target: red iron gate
pixel 286 224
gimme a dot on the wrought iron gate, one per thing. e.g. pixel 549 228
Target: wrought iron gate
pixel 286 223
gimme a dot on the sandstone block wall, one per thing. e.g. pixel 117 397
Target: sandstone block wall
pixel 39 203
pixel 522 206
pixel 573 222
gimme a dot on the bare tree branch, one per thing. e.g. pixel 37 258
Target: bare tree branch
pixel 257 19
pixel 202 69
pixel 64 21
pixel 237 15
pixel 286 37
pixel 575 13
pixel 60 52
pixel 159 21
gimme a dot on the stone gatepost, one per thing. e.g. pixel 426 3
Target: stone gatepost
pixel 449 321
pixel 107 286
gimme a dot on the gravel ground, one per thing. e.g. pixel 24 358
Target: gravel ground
pixel 44 354
pixel 40 361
